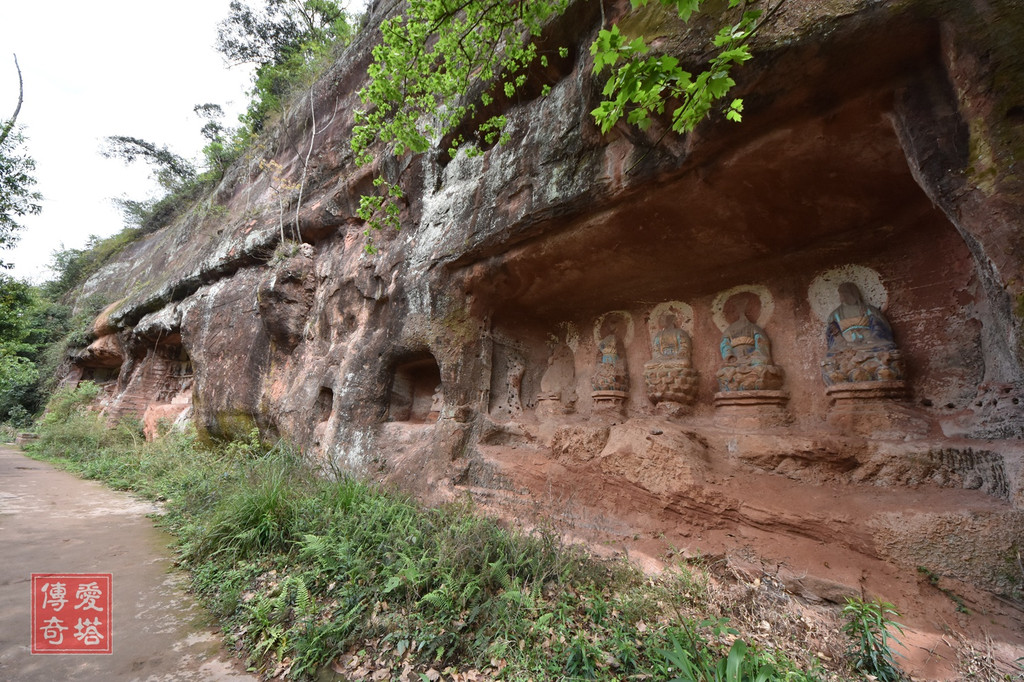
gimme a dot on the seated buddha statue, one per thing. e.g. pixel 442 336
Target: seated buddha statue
pixel 860 341
pixel 747 353
pixel 668 375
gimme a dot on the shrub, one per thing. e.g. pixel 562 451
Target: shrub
pixel 692 659
pixel 69 401
pixel 259 514
pixel 70 429
pixel 18 417
pixel 868 624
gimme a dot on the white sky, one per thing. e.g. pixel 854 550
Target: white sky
pixel 106 67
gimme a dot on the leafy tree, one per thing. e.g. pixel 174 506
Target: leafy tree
pixel 429 57
pixel 282 38
pixel 218 152
pixel 444 62
pixel 641 84
pixel 71 266
pixel 16 167
pixel 134 212
pixel 169 169
pixel 15 297
pixel 180 178
pixel 175 174
pixel 212 130
pixel 267 35
pixel 29 323
pixel 18 379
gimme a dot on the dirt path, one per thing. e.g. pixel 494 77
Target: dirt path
pixel 53 522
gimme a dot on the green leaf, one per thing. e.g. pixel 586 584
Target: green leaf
pixel 686 8
pixel 734 665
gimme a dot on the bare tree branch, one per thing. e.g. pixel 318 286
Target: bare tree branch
pixel 9 126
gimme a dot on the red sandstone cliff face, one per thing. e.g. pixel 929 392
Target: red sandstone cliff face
pixel 501 343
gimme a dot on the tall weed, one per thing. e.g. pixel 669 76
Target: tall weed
pixel 261 512
pixel 868 627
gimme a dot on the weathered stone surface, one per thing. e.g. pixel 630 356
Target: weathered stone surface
pixel 965 544
pixel 880 146
pixel 284 297
pixel 105 351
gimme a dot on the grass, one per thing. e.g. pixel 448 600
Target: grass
pixel 305 570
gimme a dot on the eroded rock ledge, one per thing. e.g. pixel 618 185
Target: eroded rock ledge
pixel 798 338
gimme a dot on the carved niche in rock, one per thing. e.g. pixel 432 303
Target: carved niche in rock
pixel 177 375
pixel 610 383
pixel 514 383
pixel 669 376
pixel 749 382
pixel 507 370
pixel 746 353
pixel 558 383
pixel 862 361
pixel 417 394
pixel 323 409
pixel 861 347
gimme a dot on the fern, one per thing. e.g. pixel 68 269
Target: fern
pixel 498 574
pixel 440 598
pixel 302 601
pixel 470 590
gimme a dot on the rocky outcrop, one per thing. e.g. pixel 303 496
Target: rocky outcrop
pixel 505 341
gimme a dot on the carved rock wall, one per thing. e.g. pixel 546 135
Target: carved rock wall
pixel 498 343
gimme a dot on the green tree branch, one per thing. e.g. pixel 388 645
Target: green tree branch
pixel 433 58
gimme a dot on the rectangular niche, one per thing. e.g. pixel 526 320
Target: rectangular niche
pixel 413 389
pixel 324 404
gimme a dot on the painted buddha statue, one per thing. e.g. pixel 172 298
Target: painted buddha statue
pixel 747 356
pixel 861 345
pixel 669 376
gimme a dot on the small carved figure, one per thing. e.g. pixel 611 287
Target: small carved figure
pixel 610 373
pixel 747 353
pixel 610 381
pixel 669 376
pixel 557 385
pixel 609 349
pixel 436 403
pixel 861 346
pixel 671 342
pixel 856 324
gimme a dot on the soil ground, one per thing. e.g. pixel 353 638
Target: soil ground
pixel 53 522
